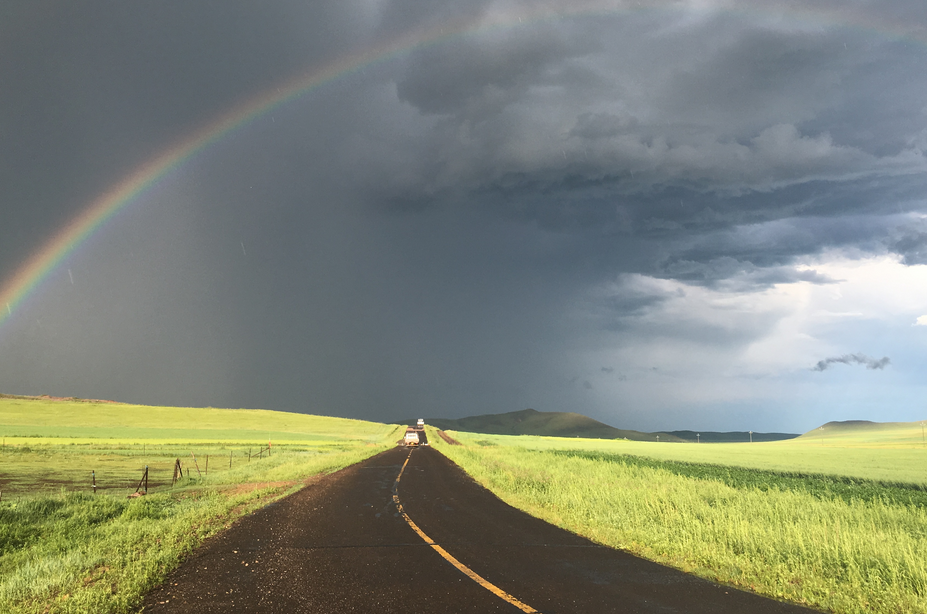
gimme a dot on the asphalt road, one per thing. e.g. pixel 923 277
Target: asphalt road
pixel 343 545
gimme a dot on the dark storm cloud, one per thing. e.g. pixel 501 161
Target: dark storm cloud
pixel 910 242
pixel 853 359
pixel 739 275
pixel 457 227
pixel 754 77
pixel 481 75
pixel 743 127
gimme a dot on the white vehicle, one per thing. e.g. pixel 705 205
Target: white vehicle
pixel 411 438
pixel 421 423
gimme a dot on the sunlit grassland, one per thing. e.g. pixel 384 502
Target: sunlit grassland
pixel 841 529
pixel 868 435
pixel 63 549
pixel 43 418
pixel 848 456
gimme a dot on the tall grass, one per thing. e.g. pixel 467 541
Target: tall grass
pixel 844 457
pixel 788 537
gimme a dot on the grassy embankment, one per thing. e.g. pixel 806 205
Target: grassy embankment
pixel 62 549
pixel 839 525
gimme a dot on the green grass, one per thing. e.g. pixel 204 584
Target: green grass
pixel 845 457
pixel 105 420
pixel 63 549
pixel 821 526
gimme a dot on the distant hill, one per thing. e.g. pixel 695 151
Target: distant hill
pixel 849 427
pixel 870 434
pixel 854 425
pixel 730 437
pixel 544 423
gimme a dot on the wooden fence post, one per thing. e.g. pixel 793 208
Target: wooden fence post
pixel 207 464
pixel 178 469
pixel 196 464
pixel 144 481
pixel 230 459
pixel 93 476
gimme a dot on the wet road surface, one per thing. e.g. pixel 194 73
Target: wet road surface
pixel 341 545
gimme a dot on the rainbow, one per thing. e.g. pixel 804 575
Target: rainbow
pixel 28 277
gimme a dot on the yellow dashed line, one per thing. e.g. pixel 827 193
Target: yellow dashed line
pixel 492 588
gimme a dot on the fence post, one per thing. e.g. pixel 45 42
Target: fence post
pixel 249 455
pixel 207 464
pixel 144 481
pixel 230 459
pixel 196 464
pixel 93 476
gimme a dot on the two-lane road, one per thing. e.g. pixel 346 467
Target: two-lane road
pixel 342 545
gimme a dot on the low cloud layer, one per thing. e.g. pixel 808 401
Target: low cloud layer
pixel 853 359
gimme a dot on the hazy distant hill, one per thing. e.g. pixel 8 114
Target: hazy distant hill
pixel 878 434
pixel 731 437
pixel 853 425
pixel 850 427
pixel 546 423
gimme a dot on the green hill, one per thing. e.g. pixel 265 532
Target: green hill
pixel 544 423
pixel 869 434
pixel 58 418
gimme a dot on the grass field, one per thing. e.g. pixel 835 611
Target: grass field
pixel 64 549
pixel 75 420
pixel 840 526
pixel 863 434
pixel 851 456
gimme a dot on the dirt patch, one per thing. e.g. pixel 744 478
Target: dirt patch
pixel 274 489
pixel 448 438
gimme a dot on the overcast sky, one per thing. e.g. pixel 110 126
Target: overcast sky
pixel 663 215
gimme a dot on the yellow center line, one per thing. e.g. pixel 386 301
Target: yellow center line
pixel 492 588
